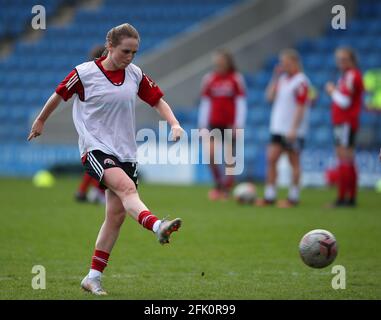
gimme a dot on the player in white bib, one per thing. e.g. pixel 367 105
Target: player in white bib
pixel 104 116
pixel 288 90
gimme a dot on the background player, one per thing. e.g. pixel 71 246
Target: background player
pixel 223 106
pixel 104 116
pixel 288 90
pixel 347 98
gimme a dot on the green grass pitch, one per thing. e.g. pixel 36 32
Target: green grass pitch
pixel 244 252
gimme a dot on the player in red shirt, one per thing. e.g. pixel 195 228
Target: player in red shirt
pixel 223 106
pixel 347 98
pixel 104 116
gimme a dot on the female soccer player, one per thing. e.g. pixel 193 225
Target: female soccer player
pixel 347 98
pixel 104 117
pixel 288 90
pixel 223 106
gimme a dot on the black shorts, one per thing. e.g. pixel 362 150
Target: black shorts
pixel 96 162
pixel 344 135
pixel 296 146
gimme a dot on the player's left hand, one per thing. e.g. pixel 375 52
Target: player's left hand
pixel 177 132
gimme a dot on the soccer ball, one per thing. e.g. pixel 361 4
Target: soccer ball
pixel 318 248
pixel 245 193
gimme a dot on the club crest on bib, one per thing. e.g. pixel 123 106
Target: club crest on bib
pixel 109 161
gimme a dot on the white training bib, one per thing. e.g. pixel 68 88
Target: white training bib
pixel 285 105
pixel 105 120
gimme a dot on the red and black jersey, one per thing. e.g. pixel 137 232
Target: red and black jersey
pixel 222 90
pixel 351 85
pixel 149 92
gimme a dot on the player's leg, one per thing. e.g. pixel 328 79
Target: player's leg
pixel 347 182
pixel 114 218
pixel 217 191
pixel 274 151
pixel 353 178
pixel 81 192
pixel 122 185
pixel 229 151
pixel 109 232
pixel 294 189
pixel 294 149
pixel 347 175
pixel 343 170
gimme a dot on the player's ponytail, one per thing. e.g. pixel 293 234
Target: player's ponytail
pixel 116 34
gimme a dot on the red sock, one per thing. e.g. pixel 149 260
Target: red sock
pixel 216 175
pixel 97 184
pixel 85 183
pixel 94 182
pixel 353 181
pixel 229 182
pixel 147 219
pixel 342 181
pixel 99 260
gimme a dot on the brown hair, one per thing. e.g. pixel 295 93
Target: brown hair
pixel 229 59
pixel 116 34
pixel 96 52
pixel 351 53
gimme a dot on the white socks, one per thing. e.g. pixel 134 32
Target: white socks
pixel 94 273
pixel 294 193
pixel 270 192
pixel 156 225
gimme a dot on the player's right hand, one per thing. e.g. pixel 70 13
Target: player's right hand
pixel 36 130
pixel 278 70
pixel 330 87
pixel 177 132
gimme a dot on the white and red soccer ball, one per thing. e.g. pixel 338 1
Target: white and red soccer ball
pixel 318 248
pixel 245 193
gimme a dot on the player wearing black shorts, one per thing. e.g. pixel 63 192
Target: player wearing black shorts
pixel 289 92
pixel 96 162
pixel 223 106
pixel 105 92
pixel 347 98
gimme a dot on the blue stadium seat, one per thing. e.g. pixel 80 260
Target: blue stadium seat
pixel 369 119
pixel 322 137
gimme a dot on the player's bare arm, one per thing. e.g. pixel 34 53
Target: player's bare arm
pixel 271 90
pixel 330 88
pixel 38 124
pixel 166 113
